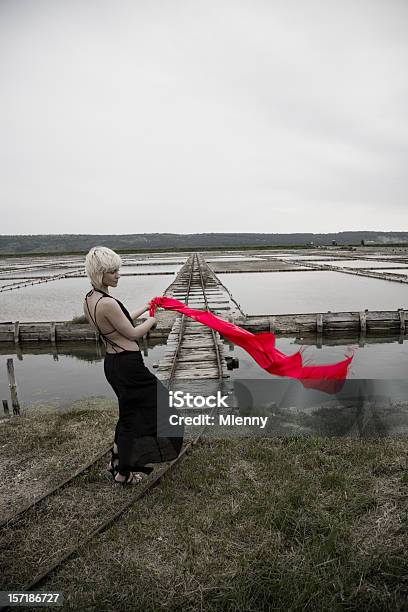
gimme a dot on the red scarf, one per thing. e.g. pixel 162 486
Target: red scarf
pixel 261 347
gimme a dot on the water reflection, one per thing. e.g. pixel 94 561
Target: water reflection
pixel 384 358
pixel 363 408
pixel 64 373
pixel 67 372
pixel 284 407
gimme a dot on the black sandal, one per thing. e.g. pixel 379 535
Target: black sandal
pixel 133 477
pixel 113 467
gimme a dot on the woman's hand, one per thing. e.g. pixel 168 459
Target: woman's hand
pixel 136 314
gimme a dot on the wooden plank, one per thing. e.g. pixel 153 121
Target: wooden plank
pixel 190 368
pixel 52 332
pixel 193 367
pixel 201 353
pixel 16 332
pixel 194 332
pixel 188 361
pixel 363 321
pixel 197 376
pixel 402 319
pixel 193 338
pixel 13 387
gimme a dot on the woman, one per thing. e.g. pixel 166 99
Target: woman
pixel 141 415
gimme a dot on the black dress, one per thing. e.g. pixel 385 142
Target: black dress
pixel 143 434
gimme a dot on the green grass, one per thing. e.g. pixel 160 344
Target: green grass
pixel 317 524
pixel 298 524
pixel 79 320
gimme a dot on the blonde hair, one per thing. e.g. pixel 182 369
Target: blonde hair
pixel 99 260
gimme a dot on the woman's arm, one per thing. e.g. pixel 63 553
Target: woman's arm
pixel 136 314
pixel 113 313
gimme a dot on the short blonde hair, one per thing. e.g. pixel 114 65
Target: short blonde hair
pixel 99 260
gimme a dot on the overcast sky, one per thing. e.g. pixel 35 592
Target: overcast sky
pixel 203 116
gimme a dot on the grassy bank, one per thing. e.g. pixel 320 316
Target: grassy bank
pixel 251 525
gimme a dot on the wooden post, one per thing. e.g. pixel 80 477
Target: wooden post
pixel 319 330
pixel 16 332
pixel 52 332
pixel 12 385
pixel 363 327
pixel 402 320
pixel 272 322
pixel 363 321
pixel 6 408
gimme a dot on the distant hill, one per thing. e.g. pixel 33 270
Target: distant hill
pixel 63 243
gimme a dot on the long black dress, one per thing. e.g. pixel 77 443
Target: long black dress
pixel 144 410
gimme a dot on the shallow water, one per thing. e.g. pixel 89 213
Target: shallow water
pixel 75 370
pixel 149 268
pixel 381 359
pixel 61 300
pixel 257 292
pixel 268 293
pixel 372 402
pixel 320 291
pixel 56 271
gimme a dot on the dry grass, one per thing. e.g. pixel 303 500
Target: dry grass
pixel 47 445
pixel 242 525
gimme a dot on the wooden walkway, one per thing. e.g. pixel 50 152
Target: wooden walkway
pixel 217 297
pixel 195 351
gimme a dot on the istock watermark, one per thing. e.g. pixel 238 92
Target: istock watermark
pixel 180 399
pixel 362 408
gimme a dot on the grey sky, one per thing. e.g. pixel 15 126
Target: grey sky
pixel 195 116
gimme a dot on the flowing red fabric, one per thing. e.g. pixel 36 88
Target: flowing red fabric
pixel 329 378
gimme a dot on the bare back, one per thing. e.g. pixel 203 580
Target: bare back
pixel 99 307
